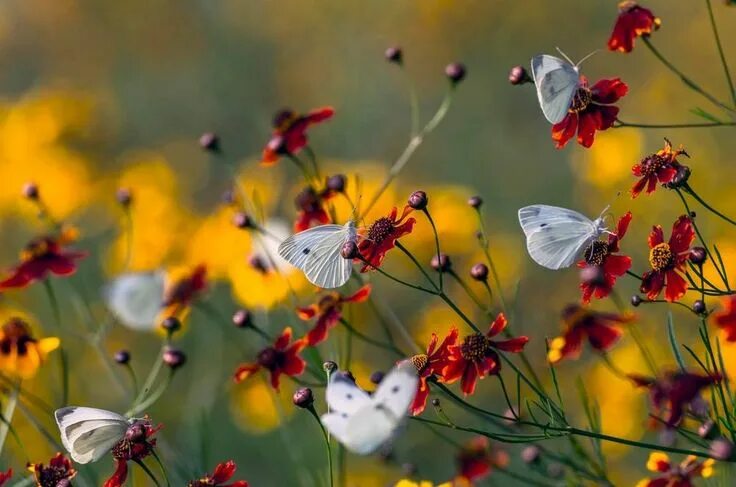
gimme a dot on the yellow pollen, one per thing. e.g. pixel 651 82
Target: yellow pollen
pixel 474 347
pixel 581 100
pixel 661 257
pixel 420 361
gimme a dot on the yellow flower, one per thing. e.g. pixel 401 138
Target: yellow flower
pixel 257 408
pixel 608 162
pixel 20 354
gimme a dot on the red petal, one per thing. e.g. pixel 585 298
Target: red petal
pixel 469 379
pixel 683 235
pixel 617 265
pixel 245 371
pixel 666 175
pixel 498 325
pixel 119 476
pixel 420 399
pixel 565 130
pixel 360 295
pixel 283 340
pixel 307 313
pixel 602 337
pixel 608 91
pixel 656 236
pixel 320 115
pixel 606 117
pixel 638 187
pixel 623 225
pixel 293 365
pixel 325 322
pixel 676 286
pixel 19 278
pixel 514 345
pixel 652 283
pixel 586 128
pixel 224 471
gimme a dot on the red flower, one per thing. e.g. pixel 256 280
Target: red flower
pixel 311 208
pixel 591 110
pixel 726 319
pixel 661 167
pixel 5 476
pixel 673 392
pixel 59 468
pixel 668 260
pixel 607 267
pixel 223 472
pixel 281 358
pixel 180 294
pixel 329 312
pixel 382 236
pixel 43 256
pixel 136 445
pixel 290 132
pixel 475 357
pixel 633 21
pixel 674 475
pixel 601 330
pixel 430 364
pixel 476 460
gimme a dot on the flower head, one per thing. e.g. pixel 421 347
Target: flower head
pixel 591 109
pixel 431 364
pixel 661 167
pixel 290 132
pixel 328 311
pixel 223 473
pixel 601 329
pixel 5 476
pixel 633 21
pixel 137 444
pixel 476 356
pixel 183 291
pixel 726 319
pixel 382 235
pixel 59 468
pixel 476 460
pixel 20 353
pixel 601 256
pixel 668 260
pixel 311 206
pixel 674 475
pixel 43 256
pixel 280 358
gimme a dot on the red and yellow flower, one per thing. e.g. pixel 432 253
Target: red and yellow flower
pixel 180 294
pixel 20 353
pixel 311 208
pixel 661 167
pixel 382 235
pixel 223 473
pixel 633 21
pixel 289 134
pixel 674 475
pixel 667 260
pixel 137 444
pixel 726 319
pixel 5 476
pixel 329 312
pixel 280 358
pixel 431 364
pixel 476 460
pixel 59 468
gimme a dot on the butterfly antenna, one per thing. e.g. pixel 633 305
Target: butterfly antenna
pixel 565 56
pixel 586 57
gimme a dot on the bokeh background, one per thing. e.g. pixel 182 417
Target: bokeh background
pixel 102 95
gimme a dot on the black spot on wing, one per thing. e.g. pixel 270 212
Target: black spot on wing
pixel 395 389
pixel 348 396
pixel 306 251
pixel 542 225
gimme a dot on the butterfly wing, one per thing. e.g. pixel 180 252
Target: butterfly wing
pixel 556 81
pixel 397 390
pixel 317 252
pixel 89 433
pixel 135 298
pixel 344 396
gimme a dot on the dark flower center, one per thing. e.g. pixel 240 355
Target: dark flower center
pixel 380 230
pixel 328 301
pixel 661 257
pixel 203 482
pixel 420 361
pixel 581 100
pixel 16 335
pixel 652 164
pixel 270 358
pixel 596 253
pixel 474 347
pixel 36 249
pixel 50 476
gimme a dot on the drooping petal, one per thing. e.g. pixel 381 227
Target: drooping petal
pixel 676 286
pixel 120 475
pixel 652 283
pixel 498 325
pixel 360 295
pixel 245 371
pixel 283 340
pixel 565 130
pixel 683 235
pixel 514 345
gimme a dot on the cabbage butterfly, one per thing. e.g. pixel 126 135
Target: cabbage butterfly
pixel 317 252
pixel 556 236
pixel 557 82
pixel 136 298
pixel 363 422
pixel 90 433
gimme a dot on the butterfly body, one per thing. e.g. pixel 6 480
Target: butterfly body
pixel 89 433
pixel 557 81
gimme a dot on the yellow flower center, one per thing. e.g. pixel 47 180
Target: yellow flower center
pixel 474 347
pixel 596 253
pixel 661 257
pixel 420 361
pixel 581 100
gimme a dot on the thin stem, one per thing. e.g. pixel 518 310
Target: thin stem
pixel 419 266
pixel 327 442
pixel 161 466
pixel 63 364
pixel 523 478
pixel 7 414
pixel 395 279
pixel 689 190
pixel 469 292
pixel 150 380
pixel 622 124
pixel 457 310
pixel 720 52
pixel 436 244
pixel 386 346
pixel 128 237
pixel 148 472
pixel 155 396
pixel 313 158
pixel 302 167
pixel 484 245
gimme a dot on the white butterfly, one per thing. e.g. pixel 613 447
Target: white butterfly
pixel 557 82
pixel 363 422
pixel 556 236
pixel 316 251
pixel 136 298
pixel 90 433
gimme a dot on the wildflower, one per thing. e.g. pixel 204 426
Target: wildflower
pixel 421 483
pixel 182 292
pixel 209 141
pixel 137 444
pixel 430 364
pixel 303 398
pixel 476 356
pixel 591 109
pixel 673 392
pixel 329 312
pixel 476 460
pixel 455 72
pixel 5 476
pixel 673 475
pixel 602 256
pixel 281 358
pixel 726 319
pixel 519 76
pixel 59 469
pixel 43 256
pixel 311 208
pixel 667 260
pixel 223 473
pixel 633 21
pixel 382 235
pixel 20 354
pixel 290 132
pixel 660 167
pixel 601 329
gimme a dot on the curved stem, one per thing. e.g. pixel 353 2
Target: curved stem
pixel 386 346
pixel 327 442
pixel 417 264
pixel 622 124
pixel 689 190
pixel 720 52
pixel 148 472
pixel 395 279
pixel 436 243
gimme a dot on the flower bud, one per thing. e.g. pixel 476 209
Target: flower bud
pixel 519 76
pixel 377 377
pixel 30 191
pixel 699 306
pixel 394 55
pixel 680 179
pixel 698 255
pixel 349 250
pixel 135 433
pixel 636 300
pixel 336 183
pixel 441 262
pixel 707 429
pixel 303 398
pixel 530 454
pixel 124 197
pixel 122 357
pixel 455 72
pixel 171 324
pixel 418 200
pixel 174 358
pixel 475 201
pixel 329 366
pixel 479 272
pixel 242 318
pixel 278 144
pixel 436 402
pixel 242 220
pixel 209 141
pixel 721 449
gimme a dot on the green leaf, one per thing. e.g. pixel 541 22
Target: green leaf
pixel 673 342
pixel 703 114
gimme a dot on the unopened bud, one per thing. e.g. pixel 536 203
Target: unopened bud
pixel 171 324
pixel 336 183
pixel 475 201
pixel 479 272
pixel 122 357
pixel 394 55
pixel 329 366
pixel 455 72
pixel 698 255
pixel 174 358
pixel 242 318
pixel 242 220
pixel 530 454
pixel 519 76
pixel 636 300
pixel 418 200
pixel 124 197
pixel 210 141
pixel 699 307
pixel 441 262
pixel 349 250
pixel 30 191
pixel 303 398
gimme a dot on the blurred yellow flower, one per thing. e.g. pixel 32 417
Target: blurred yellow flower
pixel 607 164
pixel 258 409
pixel 20 353
pixel 218 243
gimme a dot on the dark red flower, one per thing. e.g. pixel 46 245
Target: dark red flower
pixel 223 472
pixel 430 365
pixel 674 475
pixel 476 356
pixel 382 235
pixel 661 167
pixel 673 392
pixel 600 257
pixel 633 21
pixel 601 329
pixel 5 476
pixel 667 260
pixel 476 460
pixel 137 444
pixel 182 292
pixel 591 109
pixel 43 256
pixel 328 312
pixel 311 206
pixel 281 358
pixel 290 132
pixel 59 468
pixel 726 319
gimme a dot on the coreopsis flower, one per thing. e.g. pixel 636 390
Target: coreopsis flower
pixel 601 329
pixel 668 260
pixel 328 312
pixel 311 206
pixel 421 483
pixel 5 476
pixel 43 256
pixel 674 475
pixel 476 460
pixel 431 364
pixel 137 444
pixel 180 294
pixel 633 21
pixel 726 319
pixel 591 109
pixel 661 167
pixel 675 391
pixel 59 468
pixel 20 353
pixel 290 132
pixel 280 358
pixel 382 235
pixel 602 259
pixel 223 473
pixel 476 356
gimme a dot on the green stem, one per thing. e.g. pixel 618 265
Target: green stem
pixel 148 472
pixel 386 346
pixel 436 243
pixel 622 124
pixel 689 190
pixel 161 466
pixel 150 380
pixel 485 246
pixel 395 279
pixel 469 292
pixel 155 396
pixel 63 363
pixel 419 266
pixel 8 411
pixel 457 311
pixel 720 52
pixel 327 442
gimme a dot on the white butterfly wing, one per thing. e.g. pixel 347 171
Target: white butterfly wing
pixel 363 432
pixel 89 433
pixel 556 81
pixel 135 298
pixel 344 396
pixel 397 390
